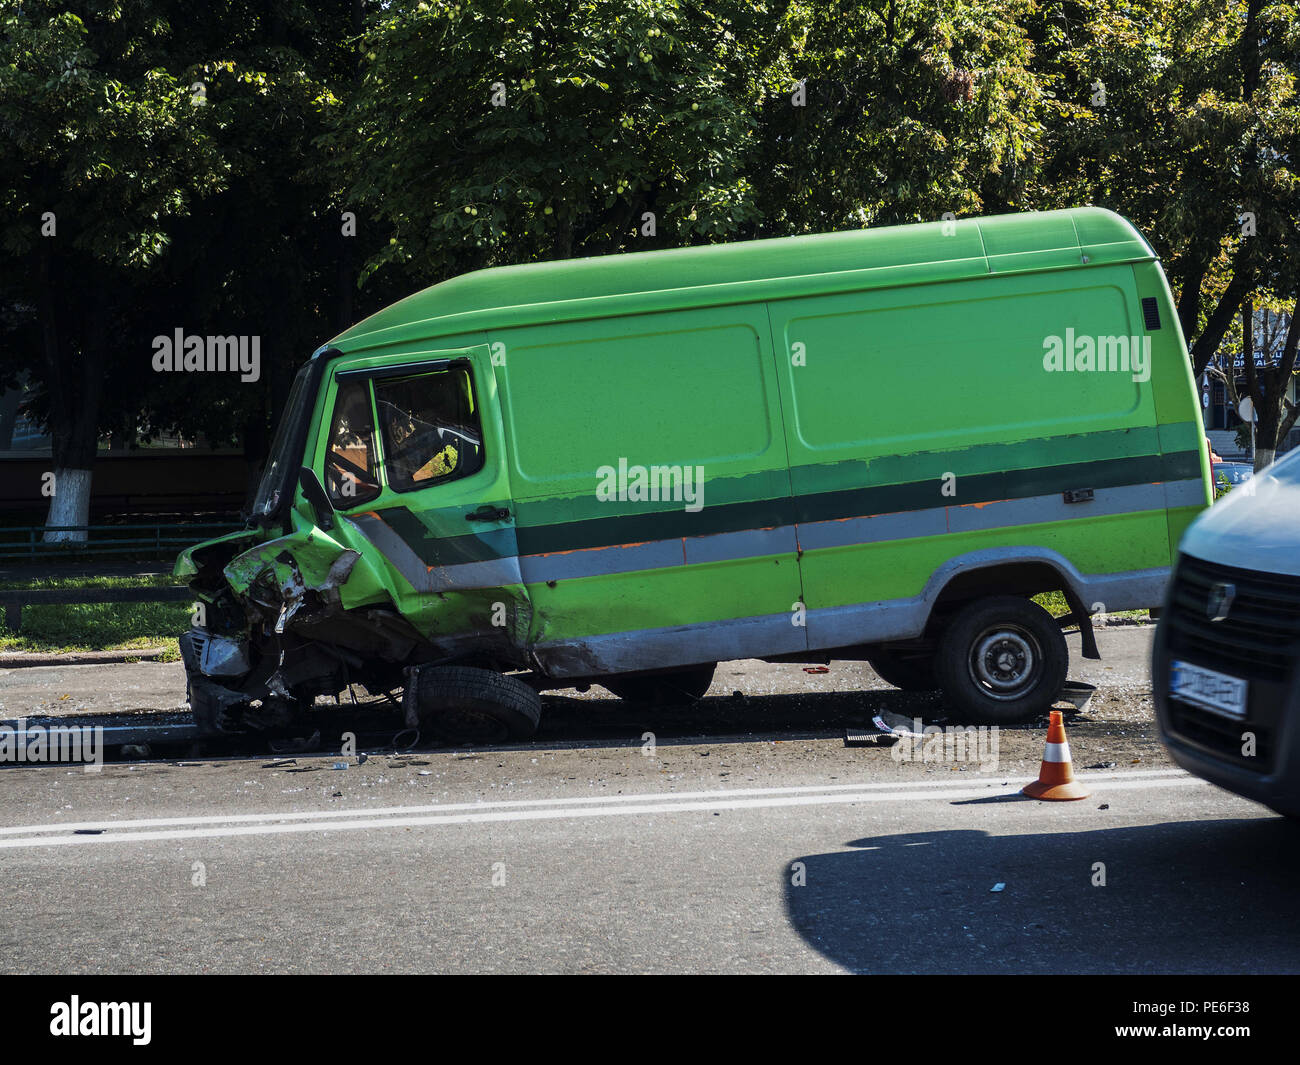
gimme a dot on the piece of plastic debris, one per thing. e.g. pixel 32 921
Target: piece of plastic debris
pixel 1104 806
pixel 997 887
pixel 896 724
pixel 816 669
pixel 339 765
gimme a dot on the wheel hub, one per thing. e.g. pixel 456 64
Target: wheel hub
pixel 1004 661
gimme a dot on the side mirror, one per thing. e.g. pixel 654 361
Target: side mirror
pixel 314 492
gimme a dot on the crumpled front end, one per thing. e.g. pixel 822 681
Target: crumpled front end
pixel 272 630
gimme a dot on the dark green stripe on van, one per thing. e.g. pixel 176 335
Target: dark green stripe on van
pixel 886 499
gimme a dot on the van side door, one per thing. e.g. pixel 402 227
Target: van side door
pixel 649 465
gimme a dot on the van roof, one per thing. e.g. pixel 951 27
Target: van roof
pixel 746 271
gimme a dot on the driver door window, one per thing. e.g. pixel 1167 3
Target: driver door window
pixel 351 474
pixel 431 430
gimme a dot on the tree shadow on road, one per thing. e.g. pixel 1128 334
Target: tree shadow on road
pixel 1184 896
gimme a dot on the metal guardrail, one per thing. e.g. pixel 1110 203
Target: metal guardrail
pixel 14 599
pixel 28 542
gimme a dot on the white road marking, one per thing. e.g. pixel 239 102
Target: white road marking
pixel 579 800
pixel 556 809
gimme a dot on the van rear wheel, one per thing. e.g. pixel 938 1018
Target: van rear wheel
pixel 463 704
pixel 1001 660
pixel 678 688
pixel 909 673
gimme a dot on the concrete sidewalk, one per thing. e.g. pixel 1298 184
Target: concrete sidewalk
pixel 91 689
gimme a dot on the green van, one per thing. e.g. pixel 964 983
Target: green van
pixel 623 470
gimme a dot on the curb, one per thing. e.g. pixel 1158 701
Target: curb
pixel 24 659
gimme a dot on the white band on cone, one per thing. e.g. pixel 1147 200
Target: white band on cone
pixel 1057 752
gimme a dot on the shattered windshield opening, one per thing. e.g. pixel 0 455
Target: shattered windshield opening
pixel 267 500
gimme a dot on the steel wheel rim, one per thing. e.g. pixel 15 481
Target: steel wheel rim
pixel 1005 661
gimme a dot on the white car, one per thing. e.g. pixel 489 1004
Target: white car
pixel 1226 666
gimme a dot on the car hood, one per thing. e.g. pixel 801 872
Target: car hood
pixel 1256 526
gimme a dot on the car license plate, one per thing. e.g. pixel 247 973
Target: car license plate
pixel 1206 688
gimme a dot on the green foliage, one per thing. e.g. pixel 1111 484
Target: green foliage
pixel 915 109
pixel 510 131
pixel 173 147
pixel 95 133
pixel 1197 123
pixel 223 215
pixel 603 112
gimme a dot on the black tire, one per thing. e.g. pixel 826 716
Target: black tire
pixel 1001 660
pixel 463 704
pixel 909 673
pixel 678 688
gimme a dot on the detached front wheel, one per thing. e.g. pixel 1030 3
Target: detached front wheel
pixel 1002 660
pixel 463 704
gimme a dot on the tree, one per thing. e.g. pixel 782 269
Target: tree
pixel 100 147
pixel 508 131
pixel 156 174
pixel 1183 116
pixel 1264 363
pixel 910 110
pixel 512 131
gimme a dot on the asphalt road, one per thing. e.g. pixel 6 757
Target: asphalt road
pixel 622 867
pixel 755 841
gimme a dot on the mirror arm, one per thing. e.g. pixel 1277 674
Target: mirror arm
pixel 314 492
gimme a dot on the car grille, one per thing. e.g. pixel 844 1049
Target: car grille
pixel 1258 641
pixel 1222 735
pixel 1260 637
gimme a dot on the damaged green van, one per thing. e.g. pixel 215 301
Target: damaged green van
pixel 621 471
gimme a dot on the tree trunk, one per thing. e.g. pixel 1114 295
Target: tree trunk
pixel 69 505
pixel 1220 319
pixel 75 377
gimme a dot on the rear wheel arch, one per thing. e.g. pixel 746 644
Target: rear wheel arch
pixel 1025 576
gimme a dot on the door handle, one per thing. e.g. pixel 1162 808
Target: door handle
pixel 487 512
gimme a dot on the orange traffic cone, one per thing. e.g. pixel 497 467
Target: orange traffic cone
pixel 1056 776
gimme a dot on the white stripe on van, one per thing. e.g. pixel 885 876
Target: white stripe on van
pixel 845 532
